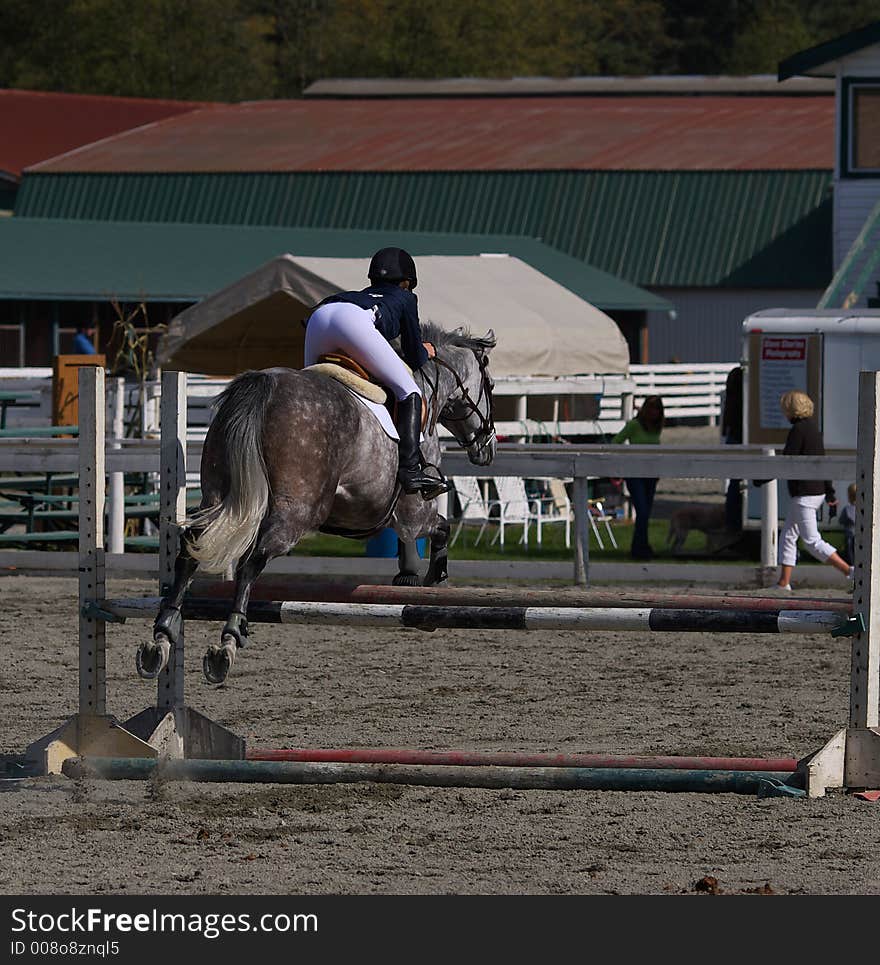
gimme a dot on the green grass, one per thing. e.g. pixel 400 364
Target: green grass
pixel 553 546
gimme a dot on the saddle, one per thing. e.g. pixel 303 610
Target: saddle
pixel 355 377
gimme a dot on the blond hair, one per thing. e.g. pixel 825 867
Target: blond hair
pixel 851 492
pixel 796 405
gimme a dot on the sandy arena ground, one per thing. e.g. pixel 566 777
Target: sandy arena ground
pixel 761 695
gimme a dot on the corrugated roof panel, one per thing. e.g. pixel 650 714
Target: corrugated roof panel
pixel 39 125
pixel 67 260
pixel 477 134
pixel 691 228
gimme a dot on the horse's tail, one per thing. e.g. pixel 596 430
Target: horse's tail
pixel 227 530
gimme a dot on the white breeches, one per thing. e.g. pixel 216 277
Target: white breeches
pixel 800 521
pixel 349 329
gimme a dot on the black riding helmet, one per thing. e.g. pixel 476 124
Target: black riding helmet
pixel 392 264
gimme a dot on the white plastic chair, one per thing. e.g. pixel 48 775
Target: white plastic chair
pixel 474 510
pixel 597 514
pixel 514 507
pixel 559 508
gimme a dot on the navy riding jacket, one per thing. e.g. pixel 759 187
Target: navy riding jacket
pixel 397 314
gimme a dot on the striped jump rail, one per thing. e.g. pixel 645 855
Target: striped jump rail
pixel 423 617
pixel 521 778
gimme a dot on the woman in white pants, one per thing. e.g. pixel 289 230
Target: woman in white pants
pixel 361 324
pixel 805 496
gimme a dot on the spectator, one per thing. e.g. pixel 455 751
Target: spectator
pixel 848 521
pixel 84 340
pixel 642 430
pixel 732 434
pixel 806 496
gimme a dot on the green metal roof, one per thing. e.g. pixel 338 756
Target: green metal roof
pixel 743 229
pixel 811 60
pixel 68 260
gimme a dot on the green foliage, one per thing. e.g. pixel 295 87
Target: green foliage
pixel 231 50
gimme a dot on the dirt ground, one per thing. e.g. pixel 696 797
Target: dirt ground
pixel 758 695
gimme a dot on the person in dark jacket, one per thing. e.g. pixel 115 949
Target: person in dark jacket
pixel 361 324
pixel 732 434
pixel 806 496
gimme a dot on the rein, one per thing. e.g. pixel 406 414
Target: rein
pixel 487 423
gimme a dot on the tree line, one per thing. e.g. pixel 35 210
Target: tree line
pixel 233 50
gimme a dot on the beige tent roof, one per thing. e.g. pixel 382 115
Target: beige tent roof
pixel 542 327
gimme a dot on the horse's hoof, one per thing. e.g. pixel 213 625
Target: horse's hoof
pixel 218 661
pixel 406 579
pixel 443 581
pixel 152 658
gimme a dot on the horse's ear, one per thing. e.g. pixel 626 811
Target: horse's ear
pixel 487 342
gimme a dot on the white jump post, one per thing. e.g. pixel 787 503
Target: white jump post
pixel 116 515
pixel 170 728
pixel 851 759
pixel 769 527
pixel 92 730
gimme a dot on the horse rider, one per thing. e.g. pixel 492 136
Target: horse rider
pixel 361 324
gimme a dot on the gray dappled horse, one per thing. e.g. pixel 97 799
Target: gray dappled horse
pixel 291 451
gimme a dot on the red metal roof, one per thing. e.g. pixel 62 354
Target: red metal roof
pixel 451 134
pixel 37 125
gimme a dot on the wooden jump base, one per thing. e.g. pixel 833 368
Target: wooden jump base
pixel 851 759
pixel 521 778
pixel 273 587
pixel 498 618
pixel 373 755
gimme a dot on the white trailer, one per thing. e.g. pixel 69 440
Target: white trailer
pixel 820 352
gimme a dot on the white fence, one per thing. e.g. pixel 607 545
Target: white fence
pixel 537 406
pixel 688 391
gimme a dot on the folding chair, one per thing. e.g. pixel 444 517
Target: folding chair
pixel 597 514
pixel 473 508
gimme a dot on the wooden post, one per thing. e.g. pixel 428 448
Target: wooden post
pixel 851 759
pixel 172 511
pixel 579 496
pixel 92 587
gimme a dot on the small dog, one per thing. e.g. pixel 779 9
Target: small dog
pixel 708 518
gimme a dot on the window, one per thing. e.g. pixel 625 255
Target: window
pixel 861 128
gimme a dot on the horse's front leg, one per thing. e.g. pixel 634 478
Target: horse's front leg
pixel 438 574
pixel 409 563
pixel 152 656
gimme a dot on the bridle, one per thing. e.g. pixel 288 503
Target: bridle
pixel 485 431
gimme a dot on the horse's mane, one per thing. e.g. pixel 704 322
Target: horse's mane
pixel 459 338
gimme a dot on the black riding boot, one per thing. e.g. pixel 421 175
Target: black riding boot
pixel 410 473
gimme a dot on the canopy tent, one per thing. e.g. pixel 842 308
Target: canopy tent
pixel 542 327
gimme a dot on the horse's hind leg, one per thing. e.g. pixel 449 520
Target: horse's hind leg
pixel 152 656
pixel 276 537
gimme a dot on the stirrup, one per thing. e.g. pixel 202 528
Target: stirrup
pixel 438 485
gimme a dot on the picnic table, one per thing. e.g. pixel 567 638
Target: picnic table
pixel 21 399
pixel 26 507
pixel 35 432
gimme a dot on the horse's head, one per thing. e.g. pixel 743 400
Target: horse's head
pixel 466 410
